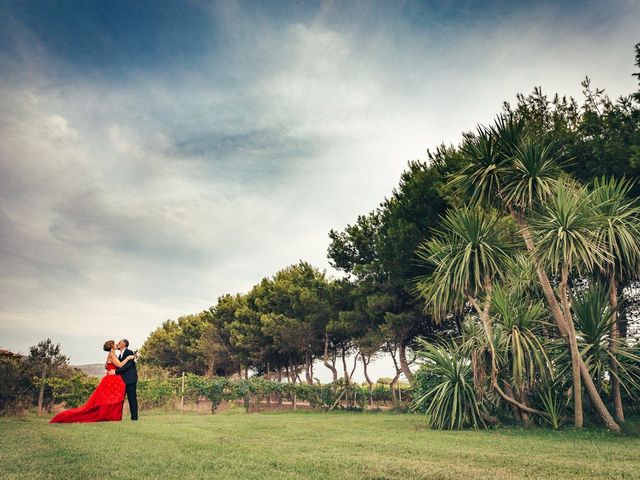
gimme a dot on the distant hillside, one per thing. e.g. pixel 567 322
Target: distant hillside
pixel 93 369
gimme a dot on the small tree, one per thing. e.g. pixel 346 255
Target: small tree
pixel 46 356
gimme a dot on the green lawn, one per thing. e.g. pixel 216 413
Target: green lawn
pixel 303 445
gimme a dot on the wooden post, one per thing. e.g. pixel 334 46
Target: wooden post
pixel 41 396
pixel 182 397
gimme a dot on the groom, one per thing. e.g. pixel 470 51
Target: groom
pixel 129 375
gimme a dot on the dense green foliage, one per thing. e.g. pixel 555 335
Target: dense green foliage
pixel 23 379
pixel 523 253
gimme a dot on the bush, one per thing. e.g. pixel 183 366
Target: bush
pixel 154 393
pixel 16 389
pixel 445 390
pixel 74 390
pixel 20 383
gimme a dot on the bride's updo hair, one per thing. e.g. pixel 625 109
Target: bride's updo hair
pixel 108 345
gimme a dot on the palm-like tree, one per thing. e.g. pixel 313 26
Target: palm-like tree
pixel 621 240
pixel 517 322
pixel 480 179
pixel 531 176
pixel 522 176
pixel 566 231
pixel 450 392
pixel 593 312
pixel 469 255
pixel 521 358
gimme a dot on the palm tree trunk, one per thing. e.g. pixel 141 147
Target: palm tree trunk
pixel 558 317
pixel 516 413
pixel 522 398
pixel 613 348
pixel 573 345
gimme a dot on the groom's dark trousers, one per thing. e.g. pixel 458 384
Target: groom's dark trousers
pixel 129 375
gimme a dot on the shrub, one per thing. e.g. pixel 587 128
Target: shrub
pixel 157 392
pixel 74 390
pixel 16 389
pixel 444 388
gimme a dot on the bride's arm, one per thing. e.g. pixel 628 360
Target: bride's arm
pixel 117 362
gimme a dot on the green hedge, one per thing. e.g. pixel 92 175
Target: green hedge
pixel 159 392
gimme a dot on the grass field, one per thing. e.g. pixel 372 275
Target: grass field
pixel 303 445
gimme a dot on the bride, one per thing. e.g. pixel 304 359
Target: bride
pixel 105 403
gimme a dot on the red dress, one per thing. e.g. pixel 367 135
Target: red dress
pixel 105 403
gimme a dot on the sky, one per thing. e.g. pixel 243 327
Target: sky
pixel 155 155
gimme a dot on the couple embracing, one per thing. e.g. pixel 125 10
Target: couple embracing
pixel 105 403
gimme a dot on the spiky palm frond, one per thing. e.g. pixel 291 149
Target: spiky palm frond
pixel 554 401
pixel 532 175
pixel 592 314
pixel 521 276
pixel 509 133
pixel 621 232
pixel 450 396
pixel 470 250
pixel 517 322
pixel 479 179
pixel 567 230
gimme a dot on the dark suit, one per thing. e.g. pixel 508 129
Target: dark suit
pixel 129 375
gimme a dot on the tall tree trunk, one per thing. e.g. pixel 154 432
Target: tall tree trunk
pixel 392 386
pixel 279 394
pixel 573 344
pixel 613 347
pixel 41 395
pixel 515 411
pixel 269 378
pixel 355 364
pixel 395 379
pixel 558 317
pixel 344 366
pixel 308 361
pixel 347 377
pixel 294 377
pixel 334 370
pixel 402 354
pixel 522 398
pixel 365 364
